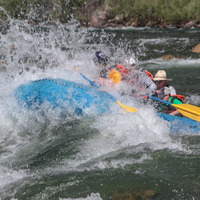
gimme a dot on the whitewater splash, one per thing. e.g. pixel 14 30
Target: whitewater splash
pixel 82 144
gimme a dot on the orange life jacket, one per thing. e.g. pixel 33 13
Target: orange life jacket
pixel 149 74
pixel 180 97
pixel 116 73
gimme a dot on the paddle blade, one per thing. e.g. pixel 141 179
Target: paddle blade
pixel 128 108
pixel 189 111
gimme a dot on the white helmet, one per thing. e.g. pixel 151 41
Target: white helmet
pixel 132 61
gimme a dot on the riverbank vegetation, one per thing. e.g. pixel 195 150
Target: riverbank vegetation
pixel 157 12
pixel 101 13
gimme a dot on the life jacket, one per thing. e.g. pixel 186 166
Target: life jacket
pixel 179 97
pixel 115 76
pixel 149 74
pixel 168 108
pixel 123 70
pixel 117 73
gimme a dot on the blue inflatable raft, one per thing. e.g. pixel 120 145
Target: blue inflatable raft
pixel 69 96
pixel 72 98
pixel 181 125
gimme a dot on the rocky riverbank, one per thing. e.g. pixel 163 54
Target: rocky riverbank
pixel 105 13
pixel 107 18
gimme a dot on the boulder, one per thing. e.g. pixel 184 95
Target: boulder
pixel 101 17
pixel 134 24
pixel 196 49
pixel 149 24
pixel 168 57
pixel 189 24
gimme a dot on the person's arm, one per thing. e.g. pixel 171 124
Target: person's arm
pixel 176 101
pixel 176 112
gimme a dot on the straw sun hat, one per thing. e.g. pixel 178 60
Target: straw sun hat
pixel 161 76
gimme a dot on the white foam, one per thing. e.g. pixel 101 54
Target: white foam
pixel 92 196
pixel 55 53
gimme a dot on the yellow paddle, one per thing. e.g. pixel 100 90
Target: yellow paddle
pixel 128 108
pixel 186 110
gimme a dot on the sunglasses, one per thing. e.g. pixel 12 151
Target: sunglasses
pixel 157 81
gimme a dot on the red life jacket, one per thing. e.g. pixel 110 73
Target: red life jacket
pixel 179 97
pixel 149 74
pixel 123 70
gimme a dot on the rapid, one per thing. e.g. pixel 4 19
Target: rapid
pixel 110 156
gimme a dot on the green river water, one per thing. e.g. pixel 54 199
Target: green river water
pixel 115 156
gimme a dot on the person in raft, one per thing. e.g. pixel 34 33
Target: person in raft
pixel 118 73
pixel 161 80
pixel 165 94
pixel 142 80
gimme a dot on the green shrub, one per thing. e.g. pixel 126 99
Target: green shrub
pixel 165 11
pixel 171 11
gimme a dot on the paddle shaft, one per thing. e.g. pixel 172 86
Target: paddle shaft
pixel 166 102
pixel 95 85
pixel 92 83
pixel 128 108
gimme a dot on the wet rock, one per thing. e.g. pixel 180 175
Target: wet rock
pixel 134 195
pixel 100 18
pixel 144 194
pixel 168 57
pixel 119 18
pixel 189 24
pixel 119 26
pixel 122 196
pixel 196 49
pixel 149 24
pixel 166 25
pixel 134 24
pixel 128 23
pixel 197 25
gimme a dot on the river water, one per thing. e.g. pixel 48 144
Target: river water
pixel 114 156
